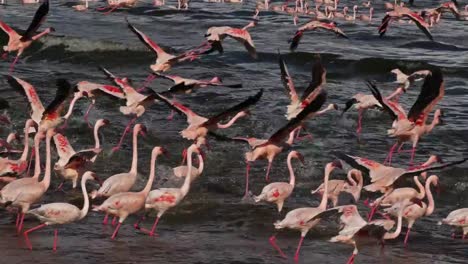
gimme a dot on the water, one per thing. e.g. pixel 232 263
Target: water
pixel 211 225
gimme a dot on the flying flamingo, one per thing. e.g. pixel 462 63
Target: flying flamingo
pixel 164 60
pixel 60 213
pixel 163 199
pixel 300 218
pixel 457 218
pixel 277 192
pixel 414 212
pixel 405 81
pixel 19 166
pixel 124 204
pixel 19 43
pixel 310 93
pixel 49 117
pixel 185 86
pixel 216 35
pixel 314 25
pixel 413 126
pixel 72 163
pixel 400 12
pixel 200 126
pixel 136 103
pixel 354 227
pixel 335 187
pixel 24 194
pixel 91 91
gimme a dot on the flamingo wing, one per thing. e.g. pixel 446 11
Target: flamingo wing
pixel 55 107
pixel 30 92
pixel 243 36
pixel 393 108
pixel 421 23
pixel 57 213
pixel 146 40
pixel 112 90
pixel 179 108
pixel 431 93
pixel 319 78
pixel 234 110
pixel 287 79
pixel 8 30
pixel 384 25
pixel 39 17
pixel 418 170
pixel 64 148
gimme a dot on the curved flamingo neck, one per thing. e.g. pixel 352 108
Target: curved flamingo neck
pixel 46 180
pixel 84 210
pixel 421 192
pixel 135 153
pixel 24 155
pixel 323 203
pixel 186 186
pixel 350 178
pixel 40 35
pixel 390 235
pixel 72 105
pixel 292 177
pixel 147 188
pixel 430 198
pixel 232 121
pixel 37 160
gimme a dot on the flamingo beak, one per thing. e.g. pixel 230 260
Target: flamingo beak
pixel 301 158
pixel 143 131
pixel 106 122
pixel 94 175
pixel 165 152
pixel 337 164
pixel 417 201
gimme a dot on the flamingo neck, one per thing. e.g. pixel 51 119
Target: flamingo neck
pixel 430 198
pixel 147 188
pixel 354 14
pixel 329 107
pixel 97 143
pixel 290 140
pixel 40 35
pixel 434 123
pixel 292 177
pixel 201 164
pixel 390 235
pixel 186 186
pixel 24 155
pixel 135 153
pixel 46 180
pixel 84 210
pixel 323 203
pixel 421 192
pixel 371 12
pixel 37 160
pixel 232 121
pixel 350 178
pixel 86 4
pixel 72 105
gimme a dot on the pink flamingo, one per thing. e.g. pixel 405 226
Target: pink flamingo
pixel 300 218
pixel 200 126
pixel 278 192
pixel 335 187
pixel 181 171
pixel 30 191
pixel 400 12
pixel 366 18
pixel 72 163
pixel 124 204
pixel 19 166
pixel 311 26
pixel 218 34
pixel 413 126
pixel 60 213
pixel 405 81
pixel 163 199
pixel 361 102
pixel 114 4
pixel 457 218
pixel 81 7
pixel 19 43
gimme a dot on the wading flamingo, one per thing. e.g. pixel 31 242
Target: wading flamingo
pixel 457 218
pixel 335 187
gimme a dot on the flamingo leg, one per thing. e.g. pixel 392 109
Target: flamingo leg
pixel 116 231
pixel 267 176
pixel 12 66
pixel 247 171
pixel 106 219
pixel 59 188
pixel 103 8
pixel 137 223
pixel 275 246
pixel 359 128
pixel 147 81
pixel 5 55
pixel 407 236
pixel 388 159
pixel 55 240
pixel 17 218
pixel 33 154
pixel 127 128
pixel 296 256
pixel 26 238
pixel 20 227
pixel 112 9
pixel 154 226
pixel 184 156
pixel 114 220
pixel 171 115
pixel 85 117
pixel 351 259
pixel 412 155
pixel 372 212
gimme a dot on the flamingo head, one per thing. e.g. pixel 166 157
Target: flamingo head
pixel 13 137
pixel 216 80
pixel 335 164
pixel 355 7
pixel 141 129
pixel 371 10
pixel 298 156
pixel 102 122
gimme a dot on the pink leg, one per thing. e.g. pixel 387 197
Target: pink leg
pixel 17 218
pixel 149 232
pixel 20 227
pixel 171 115
pixel 275 246
pixel 33 153
pixel 359 128
pixel 351 259
pixel 137 223
pixel 406 237
pixel 184 156
pixel 55 240
pixel 412 155
pixel 267 177
pixel 12 66
pixel 103 8
pixel 91 105
pixel 26 238
pixel 111 10
pixel 127 128
pixel 114 220
pixel 59 188
pixel 372 212
pixel 247 171
pixel 5 55
pixel 106 219
pixel 116 231
pixel 296 256
pixel 400 148
pixel 147 81
pixel 388 159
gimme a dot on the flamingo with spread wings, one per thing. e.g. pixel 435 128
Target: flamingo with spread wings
pixel 404 12
pixel 312 26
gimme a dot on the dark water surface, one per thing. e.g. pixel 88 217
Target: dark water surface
pixel 211 225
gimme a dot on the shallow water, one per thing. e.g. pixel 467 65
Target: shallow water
pixel 211 225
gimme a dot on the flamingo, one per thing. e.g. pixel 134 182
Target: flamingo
pixel 124 204
pixel 216 35
pixel 26 193
pixel 335 187
pixel 163 199
pixel 164 60
pixel 457 218
pixel 114 4
pixel 6 144
pixel 60 213
pixel 181 171
pixel 122 182
pixel 405 81
pixel 414 212
pixel 361 102
pixel 136 103
pixel 19 166
pixel 400 12
pixel 278 192
pixel 354 227
pixel 300 218
pixel 412 126
pixel 71 164
pixel 366 18
pixel 19 43
pixel 314 25
pixel 81 7
pixel 45 118
pixel 200 126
